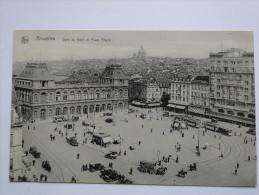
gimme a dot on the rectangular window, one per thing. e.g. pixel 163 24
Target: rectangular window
pixel 218 95
pixel 246 82
pixel 218 87
pixel 246 97
pixel 218 80
pixel 246 90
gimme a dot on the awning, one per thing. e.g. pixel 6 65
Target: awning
pixel 197 110
pixel 176 106
pixel 154 104
pixel 171 105
pixel 107 140
pixel 180 107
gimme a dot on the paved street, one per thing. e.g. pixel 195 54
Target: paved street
pixel 211 168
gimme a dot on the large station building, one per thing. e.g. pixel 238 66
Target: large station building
pixel 41 97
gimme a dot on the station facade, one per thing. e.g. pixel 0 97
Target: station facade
pixel 41 97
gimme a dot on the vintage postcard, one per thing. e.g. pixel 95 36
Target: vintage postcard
pixel 133 107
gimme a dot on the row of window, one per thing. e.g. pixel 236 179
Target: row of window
pixel 79 95
pixel 24 83
pixel 202 95
pixel 183 99
pixel 232 96
pixel 233 62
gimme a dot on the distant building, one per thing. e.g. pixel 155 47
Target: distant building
pixel 200 90
pixel 232 87
pixel 144 93
pixel 141 55
pixel 42 97
pixel 15 141
pixel 180 94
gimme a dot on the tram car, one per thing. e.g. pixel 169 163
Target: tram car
pixel 211 126
pixel 193 123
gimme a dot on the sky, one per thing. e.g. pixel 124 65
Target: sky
pixel 58 45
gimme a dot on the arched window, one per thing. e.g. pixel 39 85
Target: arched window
pixel 251 116
pixel 91 110
pixel 85 94
pixel 221 111
pixel 50 97
pixel 72 110
pixel 97 108
pixel 72 95
pixel 109 106
pixel 108 93
pixel 91 94
pixel 241 114
pixel 79 95
pixel 97 94
pixel 35 97
pixel 230 112
pixel 103 108
pixel 78 110
pixel 43 97
pixel 85 109
pixel 65 95
pixel 103 94
pixel 58 96
pixel 58 111
pixel 65 110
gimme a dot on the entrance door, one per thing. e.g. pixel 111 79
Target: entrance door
pixel 43 115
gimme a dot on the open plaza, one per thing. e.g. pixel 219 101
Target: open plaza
pixel 223 160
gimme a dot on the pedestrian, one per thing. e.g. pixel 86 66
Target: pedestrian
pixel 125 153
pixel 151 130
pixel 237 165
pixel 111 164
pixel 41 176
pixel 34 128
pixel 221 155
pixel 246 141
pixel 22 142
pixel 248 158
pixel 83 168
pixel 26 152
pixel 78 155
pixel 203 133
pixel 163 133
pixel 139 143
pixel 46 178
pixel 28 127
pixel 142 126
pixel 75 134
pixel 62 134
pixel 235 171
pixel 33 162
pixel 131 171
pixel 192 136
pixel 177 159
pixel 84 134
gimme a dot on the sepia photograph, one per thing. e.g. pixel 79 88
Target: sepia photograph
pixel 169 108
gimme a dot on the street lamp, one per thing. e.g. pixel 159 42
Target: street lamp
pixel 198 146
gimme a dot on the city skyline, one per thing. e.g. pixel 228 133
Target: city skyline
pixel 114 44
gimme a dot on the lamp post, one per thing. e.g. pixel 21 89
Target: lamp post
pixel 198 146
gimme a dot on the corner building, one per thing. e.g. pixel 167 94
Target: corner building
pixel 41 97
pixel 232 91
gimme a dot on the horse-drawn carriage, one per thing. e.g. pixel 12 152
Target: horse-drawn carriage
pixel 95 167
pixel 110 175
pixel 151 167
pixel 112 155
pixel 182 173
pixel 33 150
pixel 45 165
